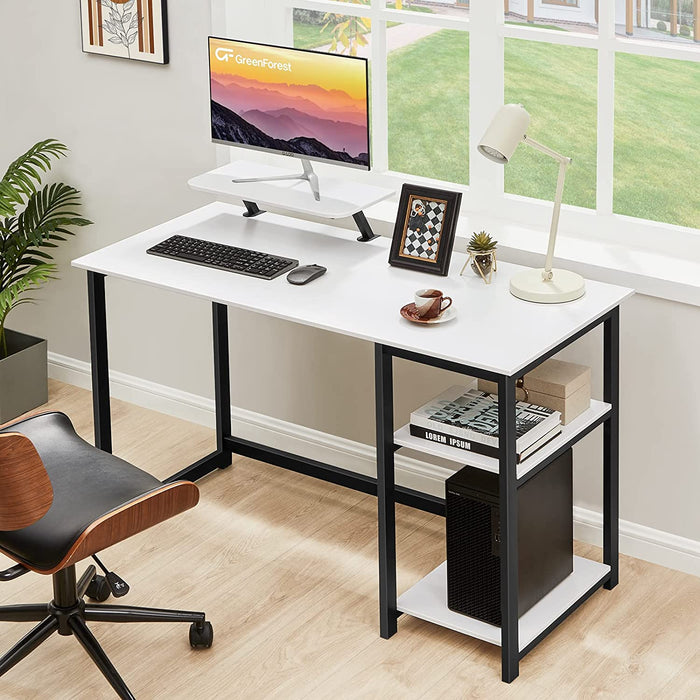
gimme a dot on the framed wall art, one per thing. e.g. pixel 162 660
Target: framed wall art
pixel 133 29
pixel 425 229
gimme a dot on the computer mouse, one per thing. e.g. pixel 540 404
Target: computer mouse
pixel 305 273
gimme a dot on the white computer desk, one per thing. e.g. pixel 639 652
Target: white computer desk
pixel 494 336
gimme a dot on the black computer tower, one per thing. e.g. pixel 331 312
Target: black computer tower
pixel 545 538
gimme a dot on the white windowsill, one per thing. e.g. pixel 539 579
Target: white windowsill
pixel 673 274
pixel 648 272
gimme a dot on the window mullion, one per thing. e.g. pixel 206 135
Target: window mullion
pixel 606 108
pixel 486 91
pixel 379 87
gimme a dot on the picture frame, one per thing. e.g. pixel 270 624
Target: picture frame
pixel 424 232
pixel 133 29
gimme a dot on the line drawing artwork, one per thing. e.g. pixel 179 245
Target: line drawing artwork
pixel 128 29
pixel 123 23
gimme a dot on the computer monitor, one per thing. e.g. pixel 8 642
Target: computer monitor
pixel 305 104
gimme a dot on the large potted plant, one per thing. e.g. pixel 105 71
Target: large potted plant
pixel 33 219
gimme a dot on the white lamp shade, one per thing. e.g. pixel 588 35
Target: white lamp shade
pixel 506 131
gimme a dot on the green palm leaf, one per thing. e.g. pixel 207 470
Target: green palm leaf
pixel 11 295
pixel 50 210
pixel 21 178
pixel 47 216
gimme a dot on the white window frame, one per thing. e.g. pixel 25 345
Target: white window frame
pixel 271 21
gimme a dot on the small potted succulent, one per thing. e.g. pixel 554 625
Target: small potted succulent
pixel 482 255
pixel 34 218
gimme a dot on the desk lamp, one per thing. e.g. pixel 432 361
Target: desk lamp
pixel 546 286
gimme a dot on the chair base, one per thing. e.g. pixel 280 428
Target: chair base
pixel 68 614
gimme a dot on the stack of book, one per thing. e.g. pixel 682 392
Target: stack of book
pixel 467 419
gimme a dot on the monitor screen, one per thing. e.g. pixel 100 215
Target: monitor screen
pixel 295 102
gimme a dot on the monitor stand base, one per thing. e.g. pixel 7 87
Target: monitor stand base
pixel 252 209
pixel 363 226
pixel 308 175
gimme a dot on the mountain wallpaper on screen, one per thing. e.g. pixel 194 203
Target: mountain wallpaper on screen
pixel 305 119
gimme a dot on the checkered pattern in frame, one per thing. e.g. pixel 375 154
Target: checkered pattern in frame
pixel 425 244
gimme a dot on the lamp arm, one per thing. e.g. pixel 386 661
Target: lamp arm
pixel 540 147
pixel 564 163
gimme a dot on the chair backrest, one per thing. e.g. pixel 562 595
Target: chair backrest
pixel 25 488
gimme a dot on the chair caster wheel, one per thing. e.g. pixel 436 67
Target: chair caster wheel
pixel 98 589
pixel 201 635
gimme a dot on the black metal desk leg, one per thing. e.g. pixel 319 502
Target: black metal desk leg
pixel 222 380
pixel 384 394
pixel 98 361
pixel 611 445
pixel 510 652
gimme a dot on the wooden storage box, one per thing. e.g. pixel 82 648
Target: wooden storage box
pixel 561 386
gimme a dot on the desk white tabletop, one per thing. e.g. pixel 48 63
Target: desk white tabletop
pixel 360 295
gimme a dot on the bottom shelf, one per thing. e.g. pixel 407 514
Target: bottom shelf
pixel 428 601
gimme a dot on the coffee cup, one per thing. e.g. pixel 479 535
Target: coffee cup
pixel 430 303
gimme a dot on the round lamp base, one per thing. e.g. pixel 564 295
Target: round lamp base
pixel 564 286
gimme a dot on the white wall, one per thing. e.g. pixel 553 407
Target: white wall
pixel 138 132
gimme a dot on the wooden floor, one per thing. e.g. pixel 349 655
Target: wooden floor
pixel 285 567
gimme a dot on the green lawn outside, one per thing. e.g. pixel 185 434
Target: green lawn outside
pixel 309 36
pixel 657 122
pixel 428 104
pixel 558 87
pixel 435 142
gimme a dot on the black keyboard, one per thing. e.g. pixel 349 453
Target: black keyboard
pixel 224 257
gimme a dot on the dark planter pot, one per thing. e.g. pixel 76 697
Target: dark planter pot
pixel 24 383
pixel 482 264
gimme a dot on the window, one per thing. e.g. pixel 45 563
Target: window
pixel 558 84
pixel 428 104
pixel 657 128
pixel 622 106
pixel 676 21
pixel 426 72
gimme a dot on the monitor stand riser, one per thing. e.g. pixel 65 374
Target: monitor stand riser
pixel 252 209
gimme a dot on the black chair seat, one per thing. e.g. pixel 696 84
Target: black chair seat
pixel 87 483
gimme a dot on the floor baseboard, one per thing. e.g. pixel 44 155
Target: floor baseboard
pixel 637 540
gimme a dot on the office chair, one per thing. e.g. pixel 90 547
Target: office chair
pixel 61 501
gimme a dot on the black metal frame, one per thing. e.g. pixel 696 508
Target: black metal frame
pixel 508 482
pixel 99 362
pixel 226 443
pixel 388 494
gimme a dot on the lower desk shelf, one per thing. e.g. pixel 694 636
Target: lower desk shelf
pixel 427 600
pixel 597 411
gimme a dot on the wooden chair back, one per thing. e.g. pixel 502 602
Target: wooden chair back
pixel 25 488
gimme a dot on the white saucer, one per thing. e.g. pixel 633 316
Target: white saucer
pixel 447 315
